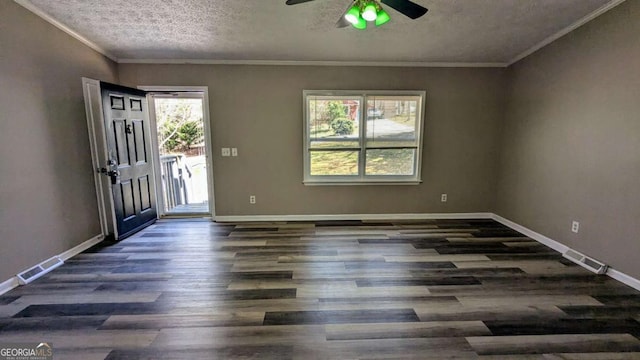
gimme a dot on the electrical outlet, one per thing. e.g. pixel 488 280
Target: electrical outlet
pixel 443 198
pixel 575 227
pixel 252 199
pixel 234 151
pixel 226 152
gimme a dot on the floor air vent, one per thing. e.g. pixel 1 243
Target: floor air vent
pixel 35 272
pixel 586 262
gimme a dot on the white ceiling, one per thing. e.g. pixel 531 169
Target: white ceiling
pixel 453 31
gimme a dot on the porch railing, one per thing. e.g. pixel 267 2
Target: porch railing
pixel 174 185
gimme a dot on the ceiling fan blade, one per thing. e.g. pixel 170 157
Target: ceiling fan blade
pixel 406 7
pixel 295 2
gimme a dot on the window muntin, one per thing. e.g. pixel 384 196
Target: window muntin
pixel 346 142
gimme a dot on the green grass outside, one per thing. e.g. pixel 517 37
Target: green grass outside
pixel 379 162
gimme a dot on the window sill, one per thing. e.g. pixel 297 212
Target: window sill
pixel 356 183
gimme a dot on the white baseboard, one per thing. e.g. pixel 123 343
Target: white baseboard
pixel 14 281
pixel 532 234
pixel 425 216
pixel 9 285
pixel 80 248
pixel 624 278
pixel 611 272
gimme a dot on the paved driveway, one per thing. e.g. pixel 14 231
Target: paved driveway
pixel 388 128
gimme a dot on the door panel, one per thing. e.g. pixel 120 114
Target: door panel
pixel 145 199
pixel 128 139
pixel 136 104
pixel 139 142
pixel 116 102
pixel 120 142
pixel 127 199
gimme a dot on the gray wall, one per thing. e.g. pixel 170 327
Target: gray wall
pixel 571 142
pixel 258 109
pixel 47 194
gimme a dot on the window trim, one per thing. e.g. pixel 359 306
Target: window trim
pixel 362 179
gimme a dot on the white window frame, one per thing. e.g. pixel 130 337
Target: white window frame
pixel 361 178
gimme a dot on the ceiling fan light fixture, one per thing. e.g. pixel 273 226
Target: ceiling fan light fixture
pixel 382 18
pixel 361 24
pixel 369 12
pixel 353 15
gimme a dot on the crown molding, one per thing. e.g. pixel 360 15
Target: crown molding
pixel 603 9
pixel 312 63
pixel 29 6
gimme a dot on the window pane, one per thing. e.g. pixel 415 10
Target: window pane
pixel 390 162
pixel 392 121
pixel 334 121
pixel 330 163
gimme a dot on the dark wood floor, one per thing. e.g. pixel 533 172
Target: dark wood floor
pixel 325 290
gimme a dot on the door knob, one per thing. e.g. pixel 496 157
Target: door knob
pixel 112 174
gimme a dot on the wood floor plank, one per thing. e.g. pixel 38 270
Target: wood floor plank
pixel 403 330
pixel 163 321
pixel 564 326
pixel 6 300
pixel 340 317
pixel 438 258
pixel 539 344
pixel 397 291
pixel 227 352
pixel 594 356
pixel 85 339
pixel 336 258
pixel 459 312
pixel 51 323
pixel 218 337
pixel 529 300
pixel 410 348
pixel 299 285
pixel 81 354
pixel 91 298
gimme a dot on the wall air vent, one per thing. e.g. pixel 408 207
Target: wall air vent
pixel 37 271
pixel 586 262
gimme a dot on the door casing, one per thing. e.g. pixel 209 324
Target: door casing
pixel 99 151
pixel 194 92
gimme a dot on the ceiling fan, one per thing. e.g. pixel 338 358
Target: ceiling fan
pixel 362 11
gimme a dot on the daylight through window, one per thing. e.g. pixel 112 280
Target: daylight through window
pixel 358 137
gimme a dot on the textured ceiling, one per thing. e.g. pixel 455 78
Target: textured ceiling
pixel 468 31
